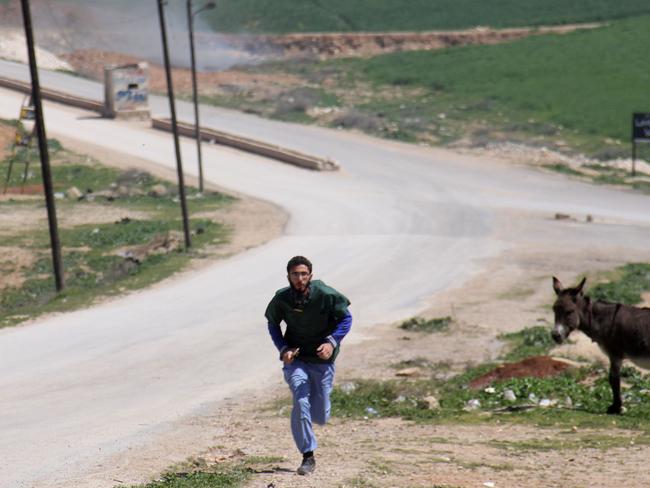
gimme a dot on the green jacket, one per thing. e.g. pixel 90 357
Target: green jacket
pixel 310 323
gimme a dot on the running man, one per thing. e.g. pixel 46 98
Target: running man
pixel 317 319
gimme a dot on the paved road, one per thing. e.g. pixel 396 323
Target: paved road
pixel 396 225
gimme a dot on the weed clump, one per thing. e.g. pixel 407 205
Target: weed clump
pixel 357 119
pixel 530 341
pixel 419 324
pixel 564 169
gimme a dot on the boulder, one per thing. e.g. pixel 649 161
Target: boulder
pixel 408 372
pixel 74 193
pixel 431 402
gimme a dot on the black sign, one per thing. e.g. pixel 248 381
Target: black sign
pixel 641 127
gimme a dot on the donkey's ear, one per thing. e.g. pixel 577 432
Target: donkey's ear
pixel 557 286
pixel 578 288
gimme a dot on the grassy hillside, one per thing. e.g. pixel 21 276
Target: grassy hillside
pixel 588 81
pixel 276 16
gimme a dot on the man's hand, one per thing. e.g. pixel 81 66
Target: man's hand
pixel 325 350
pixel 290 354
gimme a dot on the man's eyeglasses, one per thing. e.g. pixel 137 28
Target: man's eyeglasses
pixel 299 274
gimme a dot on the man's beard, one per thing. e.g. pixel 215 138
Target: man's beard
pixel 301 291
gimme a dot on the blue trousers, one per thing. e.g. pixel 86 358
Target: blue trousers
pixel 311 385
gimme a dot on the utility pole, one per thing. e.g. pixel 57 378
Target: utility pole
pixel 195 94
pixel 43 151
pixel 172 108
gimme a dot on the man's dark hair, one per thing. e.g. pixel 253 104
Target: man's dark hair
pixel 298 260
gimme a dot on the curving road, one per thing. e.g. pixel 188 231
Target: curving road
pixel 396 225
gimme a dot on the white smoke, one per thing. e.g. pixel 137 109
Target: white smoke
pixel 132 27
pixel 13 47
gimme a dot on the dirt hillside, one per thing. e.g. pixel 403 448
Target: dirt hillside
pixel 329 45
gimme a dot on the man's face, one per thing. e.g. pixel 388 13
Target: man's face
pixel 299 277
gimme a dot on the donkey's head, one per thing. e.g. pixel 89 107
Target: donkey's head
pixel 567 309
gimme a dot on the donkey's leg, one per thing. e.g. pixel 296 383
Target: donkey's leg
pixel 615 383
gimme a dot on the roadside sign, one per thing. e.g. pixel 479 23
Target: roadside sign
pixel 641 127
pixel 640 133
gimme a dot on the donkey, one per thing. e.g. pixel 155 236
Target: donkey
pixel 621 331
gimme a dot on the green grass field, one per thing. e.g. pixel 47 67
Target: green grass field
pixel 279 16
pixel 587 81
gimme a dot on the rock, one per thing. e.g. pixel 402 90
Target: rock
pixel 74 193
pixel 408 372
pixel 568 402
pixel 59 196
pixel 158 191
pixel 431 402
pixel 490 390
pixel 160 244
pixel 509 396
pixel 545 402
pixel 348 387
pixel 489 484
pixel 371 411
pixel 122 191
pixel 532 398
pixel 400 399
pixel 473 404
pixel 107 194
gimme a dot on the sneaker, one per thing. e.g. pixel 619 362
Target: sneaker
pixel 308 466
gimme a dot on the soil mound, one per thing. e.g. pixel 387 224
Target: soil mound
pixel 536 366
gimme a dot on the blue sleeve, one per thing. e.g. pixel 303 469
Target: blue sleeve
pixel 343 326
pixel 276 335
